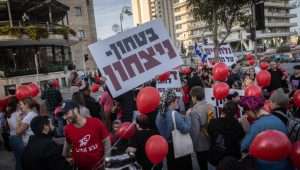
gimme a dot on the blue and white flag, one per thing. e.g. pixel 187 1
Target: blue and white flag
pixel 199 52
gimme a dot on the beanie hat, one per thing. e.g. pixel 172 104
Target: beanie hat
pixel 280 98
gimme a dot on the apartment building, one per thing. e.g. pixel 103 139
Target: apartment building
pixel 277 22
pixel 147 10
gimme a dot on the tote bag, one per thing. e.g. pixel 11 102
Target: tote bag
pixel 182 143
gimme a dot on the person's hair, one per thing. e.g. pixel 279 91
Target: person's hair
pixel 229 163
pixel 252 103
pixel 37 124
pixel 143 122
pixel 32 104
pixel 197 92
pixel 78 98
pixel 230 109
pixel 11 106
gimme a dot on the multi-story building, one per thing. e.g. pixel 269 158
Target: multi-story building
pixel 147 10
pixel 277 26
pixel 35 42
pixel 82 19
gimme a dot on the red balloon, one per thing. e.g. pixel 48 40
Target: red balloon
pixel 126 130
pixel 263 78
pixel 296 98
pixel 267 106
pixel 253 90
pixel 148 99
pixel 23 92
pixel 164 77
pixel 264 65
pixel 34 89
pixel 251 62
pixel 55 83
pixel 271 145
pixel 95 87
pixel 4 102
pixel 220 72
pixel 249 57
pixel 186 70
pixel 156 149
pixel 295 154
pixel 220 90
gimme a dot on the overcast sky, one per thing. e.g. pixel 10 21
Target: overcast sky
pixel 107 13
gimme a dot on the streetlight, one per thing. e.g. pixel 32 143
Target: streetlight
pixel 125 10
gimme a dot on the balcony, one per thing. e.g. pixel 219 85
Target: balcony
pixel 9 72
pixel 280 15
pixel 39 34
pixel 280 5
pixel 272 35
pixel 281 24
pixel 180 4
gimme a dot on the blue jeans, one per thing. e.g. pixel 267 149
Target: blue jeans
pixel 17 147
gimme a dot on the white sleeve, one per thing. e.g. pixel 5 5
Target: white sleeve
pixel 28 118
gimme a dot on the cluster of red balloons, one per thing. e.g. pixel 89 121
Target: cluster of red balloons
pixel 30 90
pixel 220 73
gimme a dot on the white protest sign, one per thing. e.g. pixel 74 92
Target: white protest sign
pixel 136 56
pixel 225 54
pixel 173 83
pixel 210 99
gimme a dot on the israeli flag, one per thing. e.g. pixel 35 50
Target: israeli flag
pixel 199 52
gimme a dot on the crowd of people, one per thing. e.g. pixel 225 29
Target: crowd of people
pixel 89 125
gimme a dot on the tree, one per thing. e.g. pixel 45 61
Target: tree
pixel 220 13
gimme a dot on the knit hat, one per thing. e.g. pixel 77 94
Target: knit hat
pixel 280 98
pixel 167 98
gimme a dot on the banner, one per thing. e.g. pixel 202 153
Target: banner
pixel 207 53
pixel 136 56
pixel 210 99
pixel 173 83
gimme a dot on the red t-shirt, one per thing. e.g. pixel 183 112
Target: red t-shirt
pixel 87 143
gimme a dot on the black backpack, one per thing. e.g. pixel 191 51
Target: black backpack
pixel 293 125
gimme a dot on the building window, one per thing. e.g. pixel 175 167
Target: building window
pixel 78 11
pixel 179 26
pixel 177 18
pixel 82 34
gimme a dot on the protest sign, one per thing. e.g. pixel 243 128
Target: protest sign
pixel 173 83
pixel 210 99
pixel 225 54
pixel 136 56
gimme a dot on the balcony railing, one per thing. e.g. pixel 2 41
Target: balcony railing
pixel 269 24
pixel 8 72
pixel 37 31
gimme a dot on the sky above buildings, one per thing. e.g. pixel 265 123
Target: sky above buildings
pixel 107 13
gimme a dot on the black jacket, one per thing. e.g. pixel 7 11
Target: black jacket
pixel 226 135
pixel 42 153
pixel 93 106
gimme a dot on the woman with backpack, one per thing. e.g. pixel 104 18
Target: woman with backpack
pixel 226 134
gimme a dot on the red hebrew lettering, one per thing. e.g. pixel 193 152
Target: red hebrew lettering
pixel 159 48
pixel 151 61
pixel 133 59
pixel 110 73
pixel 171 51
pixel 120 69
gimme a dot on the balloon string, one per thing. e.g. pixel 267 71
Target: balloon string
pixel 112 147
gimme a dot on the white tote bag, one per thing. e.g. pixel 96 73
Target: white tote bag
pixel 182 143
